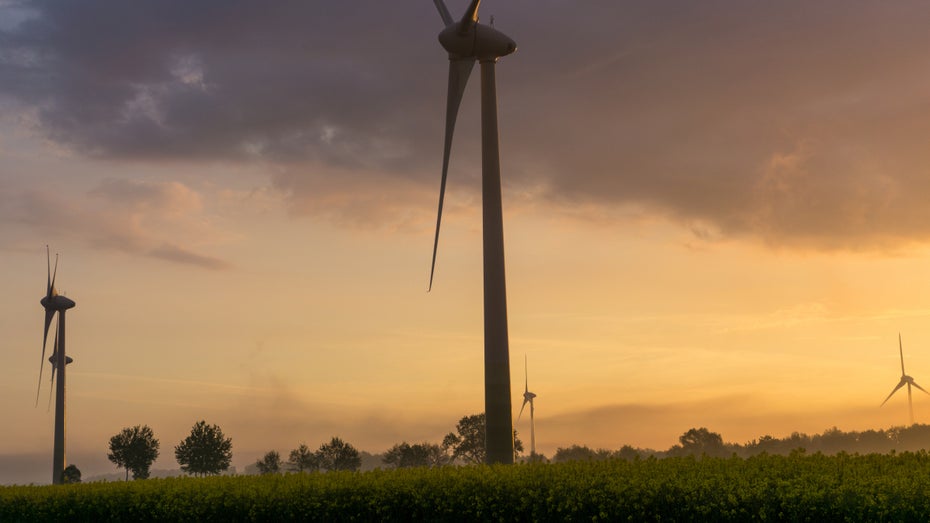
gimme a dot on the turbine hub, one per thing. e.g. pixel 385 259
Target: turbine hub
pixel 482 42
pixel 57 302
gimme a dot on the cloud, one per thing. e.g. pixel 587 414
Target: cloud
pixel 139 217
pixel 795 125
pixel 176 254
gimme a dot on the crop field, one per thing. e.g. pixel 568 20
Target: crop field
pixel 799 487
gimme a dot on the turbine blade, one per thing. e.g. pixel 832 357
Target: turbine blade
pixel 526 375
pixel 444 13
pixel 470 18
pixel 901 350
pixel 54 358
pixel 521 409
pixel 459 71
pixel 901 384
pixel 51 289
pixel 49 315
pixel 919 387
pixel 48 266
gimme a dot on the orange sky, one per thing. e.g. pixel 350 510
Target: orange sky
pixel 714 216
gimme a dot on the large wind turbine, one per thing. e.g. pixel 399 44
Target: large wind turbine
pixel 467 41
pixel 528 398
pixel 905 380
pixel 55 303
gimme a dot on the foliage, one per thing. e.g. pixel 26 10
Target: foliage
pixel 468 442
pixel 205 451
pixel 134 449
pixel 302 459
pixel 338 455
pixel 71 474
pixel 579 453
pixel 700 442
pixel 270 463
pixel 800 487
pixel 404 455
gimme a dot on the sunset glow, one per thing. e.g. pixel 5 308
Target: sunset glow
pixel 715 216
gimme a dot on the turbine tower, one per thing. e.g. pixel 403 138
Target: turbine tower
pixel 528 398
pixel 468 42
pixel 905 380
pixel 55 303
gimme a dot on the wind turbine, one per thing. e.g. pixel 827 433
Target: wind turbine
pixel 528 398
pixel 56 303
pixel 468 42
pixel 905 380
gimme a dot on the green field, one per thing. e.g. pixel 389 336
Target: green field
pixel 799 487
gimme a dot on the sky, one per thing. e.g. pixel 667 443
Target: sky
pixel 715 216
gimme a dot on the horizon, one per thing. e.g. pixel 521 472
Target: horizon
pixel 711 218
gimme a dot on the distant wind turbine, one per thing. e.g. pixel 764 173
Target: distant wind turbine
pixel 528 398
pixel 56 303
pixel 905 380
pixel 467 41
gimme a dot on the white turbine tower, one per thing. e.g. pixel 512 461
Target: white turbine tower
pixel 528 398
pixel 468 42
pixel 56 303
pixel 905 380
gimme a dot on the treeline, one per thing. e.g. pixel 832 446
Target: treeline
pixel 702 441
pixel 206 451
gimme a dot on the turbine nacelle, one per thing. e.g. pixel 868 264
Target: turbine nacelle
pixel 480 42
pixel 57 302
pixel 528 396
pixel 54 360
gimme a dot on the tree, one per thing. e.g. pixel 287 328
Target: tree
pixel 470 444
pixel 628 453
pixel 404 455
pixel 338 455
pixel 302 459
pixel 205 451
pixel 71 474
pixel 134 449
pixel 579 453
pixel 270 464
pixel 702 441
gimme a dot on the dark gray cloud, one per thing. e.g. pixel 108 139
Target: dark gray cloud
pixel 800 124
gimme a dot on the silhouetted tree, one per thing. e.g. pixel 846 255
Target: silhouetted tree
pixel 71 474
pixel 536 457
pixel 579 453
pixel 404 455
pixel 913 438
pixel 302 459
pixel 701 441
pixel 468 442
pixel 270 463
pixel 338 455
pixel 134 449
pixel 205 451
pixel 627 453
pixel 874 441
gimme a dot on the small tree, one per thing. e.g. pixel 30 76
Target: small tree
pixel 338 455
pixel 702 441
pixel 205 451
pixel 404 455
pixel 580 453
pixel 302 459
pixel 71 474
pixel 470 442
pixel 270 464
pixel 134 449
